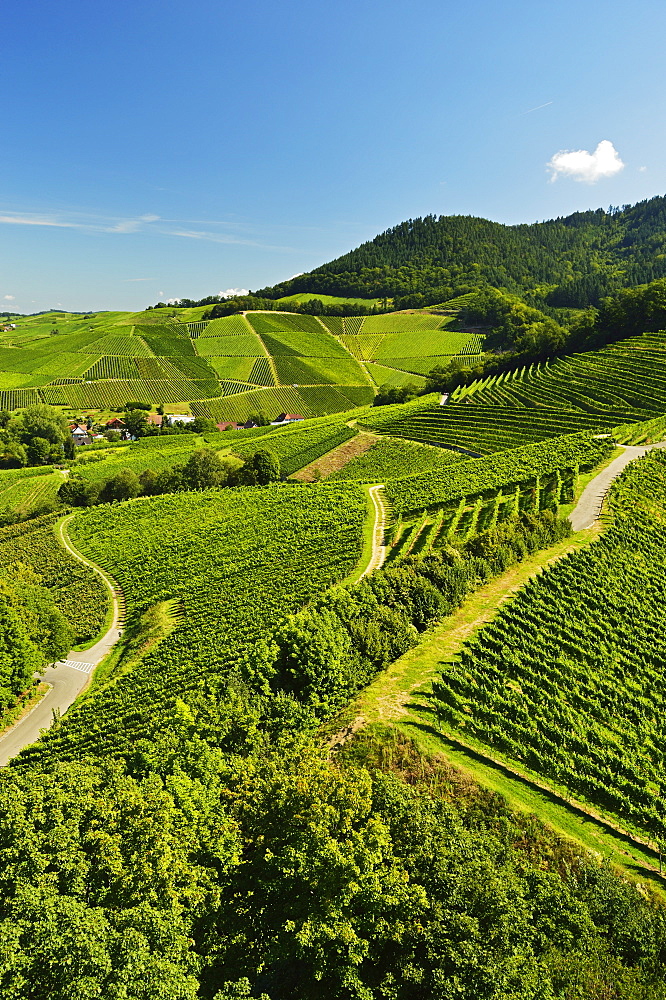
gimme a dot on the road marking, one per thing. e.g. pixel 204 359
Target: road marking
pixel 85 668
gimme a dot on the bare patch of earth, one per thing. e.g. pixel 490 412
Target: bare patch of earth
pixel 337 458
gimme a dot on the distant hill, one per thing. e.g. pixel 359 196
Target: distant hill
pixel 572 261
pixel 227 369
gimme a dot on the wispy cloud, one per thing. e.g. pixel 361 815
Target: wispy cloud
pixel 538 108
pixel 9 298
pixel 581 165
pixel 198 234
pixel 140 224
pixel 138 279
pixel 95 224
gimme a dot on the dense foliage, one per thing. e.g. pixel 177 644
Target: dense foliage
pixel 33 631
pixel 578 259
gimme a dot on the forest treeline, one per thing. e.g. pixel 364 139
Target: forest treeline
pixel 573 261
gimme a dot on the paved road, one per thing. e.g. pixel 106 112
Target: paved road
pixel 378 547
pixel 68 677
pixel 588 508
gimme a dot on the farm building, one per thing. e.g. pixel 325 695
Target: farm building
pixel 80 434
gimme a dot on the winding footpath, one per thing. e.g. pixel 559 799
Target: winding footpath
pixel 378 547
pixel 589 507
pixel 70 676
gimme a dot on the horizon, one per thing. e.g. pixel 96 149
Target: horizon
pixel 231 293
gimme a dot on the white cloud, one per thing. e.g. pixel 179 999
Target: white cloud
pixel 642 170
pixel 9 298
pixel 229 293
pixel 584 166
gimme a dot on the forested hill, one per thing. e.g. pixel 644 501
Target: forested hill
pixel 571 261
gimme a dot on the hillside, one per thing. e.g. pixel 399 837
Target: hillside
pixel 227 369
pixel 571 261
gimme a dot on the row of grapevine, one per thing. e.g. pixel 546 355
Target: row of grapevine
pixel 227 326
pixel 393 458
pixel 116 392
pixel 484 429
pixel 568 678
pixel 307 401
pixel 500 470
pixel 79 592
pixel 299 448
pixel 132 347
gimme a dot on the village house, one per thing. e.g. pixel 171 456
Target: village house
pixel 179 418
pixel 80 435
pixel 287 418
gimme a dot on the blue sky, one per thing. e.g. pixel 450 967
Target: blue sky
pixel 158 150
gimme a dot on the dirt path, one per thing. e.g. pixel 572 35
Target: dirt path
pixel 378 547
pixel 70 676
pixel 588 508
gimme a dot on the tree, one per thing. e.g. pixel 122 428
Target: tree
pixel 38 450
pixel 136 422
pixel 124 485
pixel 13 455
pixel 77 492
pixel 40 421
pixel 265 467
pixel 202 425
pixel 203 470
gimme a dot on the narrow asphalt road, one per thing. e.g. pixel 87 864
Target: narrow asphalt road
pixel 588 508
pixel 378 547
pixel 67 677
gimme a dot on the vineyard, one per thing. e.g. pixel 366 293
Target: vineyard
pixel 217 552
pixel 391 458
pixel 80 594
pixel 568 678
pixel 500 472
pixel 219 365
pixel 483 429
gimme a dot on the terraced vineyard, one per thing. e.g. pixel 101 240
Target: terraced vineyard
pixel 558 459
pixel 628 377
pixel 217 552
pixel 484 429
pixel 568 679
